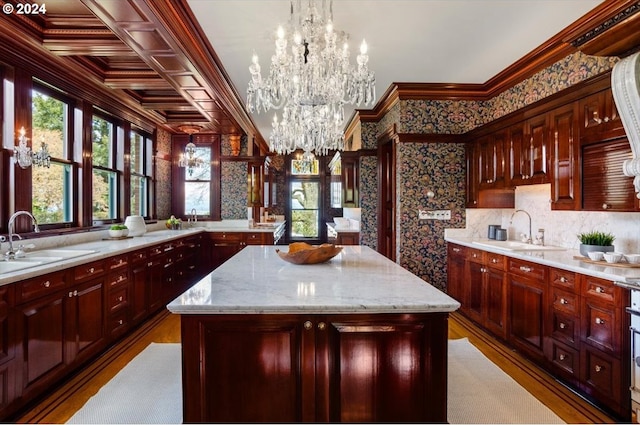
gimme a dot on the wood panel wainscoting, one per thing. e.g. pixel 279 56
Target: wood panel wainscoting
pixel 60 404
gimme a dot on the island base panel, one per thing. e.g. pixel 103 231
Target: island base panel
pixel 309 368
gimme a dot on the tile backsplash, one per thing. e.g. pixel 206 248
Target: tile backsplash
pixel 561 227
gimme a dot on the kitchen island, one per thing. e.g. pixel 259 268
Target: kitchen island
pixel 356 339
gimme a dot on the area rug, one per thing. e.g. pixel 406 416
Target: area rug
pixel 148 390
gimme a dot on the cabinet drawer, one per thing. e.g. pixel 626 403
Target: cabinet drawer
pixel 118 322
pixel 226 237
pixel 475 255
pixel 117 279
pixel 495 261
pixel 256 238
pixel 39 286
pixel 530 270
pixel 599 289
pixel 563 279
pixel 565 328
pixel 600 326
pixel 565 301
pixel 138 256
pixel 565 359
pixel 601 373
pixel 88 270
pixel 155 250
pixel 117 261
pixel 458 250
pixel 117 299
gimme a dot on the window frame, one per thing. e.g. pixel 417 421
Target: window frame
pixel 115 165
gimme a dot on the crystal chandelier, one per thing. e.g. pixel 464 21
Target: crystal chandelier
pixel 25 157
pixel 189 158
pixel 310 80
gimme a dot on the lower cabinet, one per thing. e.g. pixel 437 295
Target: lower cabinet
pixel 573 325
pixel 225 245
pixel 333 368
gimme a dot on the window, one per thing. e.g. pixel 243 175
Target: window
pixel 51 189
pixel 140 185
pixel 305 199
pixel 105 175
pixel 197 184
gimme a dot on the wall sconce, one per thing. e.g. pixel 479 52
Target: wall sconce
pixel 25 157
pixel 188 159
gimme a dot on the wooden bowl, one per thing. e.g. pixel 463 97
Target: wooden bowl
pixel 303 253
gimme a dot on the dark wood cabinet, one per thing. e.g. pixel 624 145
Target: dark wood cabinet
pixel 315 372
pixel 225 245
pixel 7 345
pixel 492 160
pixel 350 179
pixel 537 135
pixel 573 325
pixel 138 303
pixel 565 171
pixel 472 176
pixel 118 296
pixel 599 118
pixel 604 185
pixel 519 156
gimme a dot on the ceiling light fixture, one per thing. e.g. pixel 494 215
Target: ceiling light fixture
pixel 311 82
pixel 189 158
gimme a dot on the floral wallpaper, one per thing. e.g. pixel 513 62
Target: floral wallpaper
pixel 163 174
pixel 233 188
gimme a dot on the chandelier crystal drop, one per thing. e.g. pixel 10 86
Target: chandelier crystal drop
pixel 310 79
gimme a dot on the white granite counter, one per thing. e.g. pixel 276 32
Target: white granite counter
pixel 560 259
pixel 358 280
pixel 103 247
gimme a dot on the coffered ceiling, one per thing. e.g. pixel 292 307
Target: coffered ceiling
pixel 186 61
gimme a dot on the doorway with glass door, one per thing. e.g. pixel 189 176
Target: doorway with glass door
pixel 305 201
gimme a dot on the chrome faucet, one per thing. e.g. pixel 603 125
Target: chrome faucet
pixel 529 240
pixel 10 254
pixel 194 216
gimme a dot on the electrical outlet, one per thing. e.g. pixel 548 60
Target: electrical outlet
pixel 434 214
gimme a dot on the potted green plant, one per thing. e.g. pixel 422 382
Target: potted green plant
pixel 596 241
pixel 118 231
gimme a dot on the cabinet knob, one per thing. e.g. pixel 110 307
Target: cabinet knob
pixel 597 368
pixel 322 326
pixel 120 321
pixel 525 269
pixel 494 260
pixel 606 119
pixel 562 357
pixel 120 298
pixel 563 301
pixel 91 270
pixel 599 321
pixel 46 283
pixel 599 289
pixel 562 325
pixel 605 206
pixel 308 325
pixel 474 255
pixel 456 249
pixel 563 279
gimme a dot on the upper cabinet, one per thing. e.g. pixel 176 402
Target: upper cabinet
pixel 575 142
pixel 599 118
pixel 350 179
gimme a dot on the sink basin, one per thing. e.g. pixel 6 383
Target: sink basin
pixel 58 254
pixel 518 246
pixel 14 266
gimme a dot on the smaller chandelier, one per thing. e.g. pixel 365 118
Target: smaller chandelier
pixel 25 157
pixel 189 158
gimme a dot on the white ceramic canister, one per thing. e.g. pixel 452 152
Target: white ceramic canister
pixel 136 225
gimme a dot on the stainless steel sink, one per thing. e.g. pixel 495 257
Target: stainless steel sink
pixel 518 246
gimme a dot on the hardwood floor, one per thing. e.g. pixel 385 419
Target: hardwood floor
pixel 61 404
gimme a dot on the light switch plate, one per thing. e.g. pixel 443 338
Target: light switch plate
pixel 434 214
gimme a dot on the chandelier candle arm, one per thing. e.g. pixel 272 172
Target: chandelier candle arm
pixel 310 79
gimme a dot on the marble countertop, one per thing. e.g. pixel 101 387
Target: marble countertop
pixel 358 280
pixel 561 259
pixel 103 247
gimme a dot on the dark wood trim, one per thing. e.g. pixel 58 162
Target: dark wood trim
pixel 22 102
pixel 85 213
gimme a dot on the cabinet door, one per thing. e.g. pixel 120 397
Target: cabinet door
pixel 248 369
pixel 455 272
pixel 537 130
pixel 362 379
pixel 599 118
pixel 350 179
pixel 85 322
pixel 495 302
pixel 138 291
pixel 486 162
pixel 519 156
pixel 472 182
pixel 527 314
pixel 565 193
pixel 474 278
pixel 224 245
pixel 604 185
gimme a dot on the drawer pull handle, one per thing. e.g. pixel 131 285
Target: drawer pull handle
pixel 562 325
pixel 494 260
pixel 308 325
pixel 46 283
pixel 91 270
pixel 149 264
pixel 120 298
pixel 474 255
pixel 120 321
pixel 599 289
pixel 563 279
pixel 456 249
pixel 599 321
pixel 563 301
pixel 525 269
pixel 597 368
pixel 562 357
pixel 322 326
